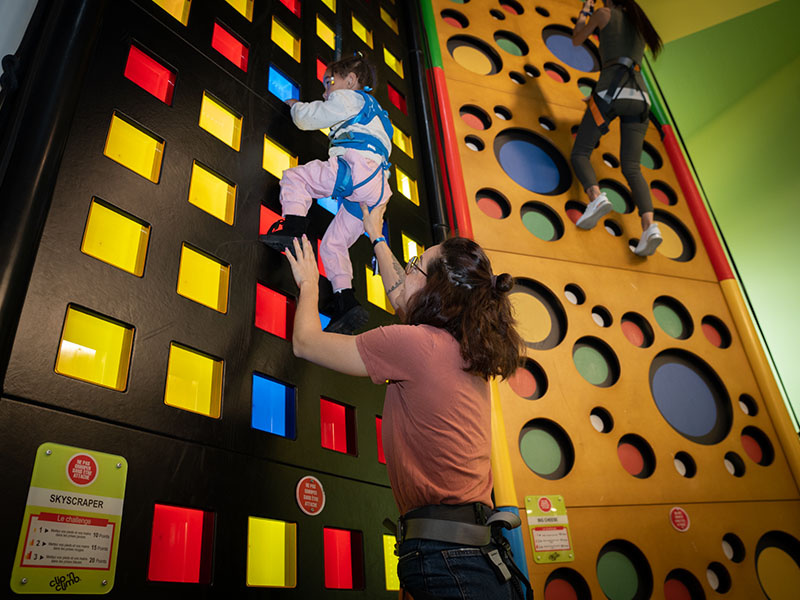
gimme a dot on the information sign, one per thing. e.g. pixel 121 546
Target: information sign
pixel 70 531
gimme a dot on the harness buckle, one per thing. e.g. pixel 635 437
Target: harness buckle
pixel 501 569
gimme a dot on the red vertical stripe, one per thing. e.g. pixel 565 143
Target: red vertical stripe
pixel 699 213
pixel 450 144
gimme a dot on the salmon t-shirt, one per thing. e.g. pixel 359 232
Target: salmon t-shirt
pixel 436 418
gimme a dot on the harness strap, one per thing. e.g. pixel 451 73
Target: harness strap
pixel 343 187
pixel 452 532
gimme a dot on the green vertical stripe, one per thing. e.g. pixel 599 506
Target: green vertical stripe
pixel 429 22
pixel 656 106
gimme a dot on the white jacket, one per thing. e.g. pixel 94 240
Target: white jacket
pixel 340 106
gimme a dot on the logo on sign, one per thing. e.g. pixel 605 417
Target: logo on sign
pixel 82 470
pixel 679 519
pixel 544 504
pixel 310 495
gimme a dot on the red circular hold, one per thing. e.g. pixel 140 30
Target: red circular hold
pixel 675 589
pixel 310 495
pixel 659 195
pixel 560 589
pixel 473 121
pixel 712 334
pixel 490 207
pixel 82 469
pixel 633 332
pixel 753 448
pixel 554 75
pixel 574 214
pixel 631 459
pixel 523 383
pixel 454 22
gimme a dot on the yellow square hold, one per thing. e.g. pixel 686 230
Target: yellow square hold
pixel 285 39
pixel 394 63
pixel 134 148
pixel 411 248
pixel 179 9
pixel 376 293
pixel 244 7
pixel 203 279
pixel 271 553
pixel 220 121
pixel 212 193
pixel 115 237
pixel 194 381
pixel 402 141
pixel 276 158
pixel 95 349
pixel 389 20
pixel 407 186
pixel 325 33
pixel 364 34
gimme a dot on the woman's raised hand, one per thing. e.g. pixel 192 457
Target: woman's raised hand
pixel 303 263
pixel 373 221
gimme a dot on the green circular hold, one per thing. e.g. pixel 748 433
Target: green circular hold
pixel 669 320
pixel 509 46
pixel 591 364
pixel 540 451
pixel 616 199
pixel 617 576
pixel 647 160
pixel 585 89
pixel 539 225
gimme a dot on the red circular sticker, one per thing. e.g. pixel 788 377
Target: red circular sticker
pixel 679 519
pixel 310 495
pixel 82 469
pixel 544 504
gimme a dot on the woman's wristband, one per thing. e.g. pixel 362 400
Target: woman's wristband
pixel 586 13
pixel 377 241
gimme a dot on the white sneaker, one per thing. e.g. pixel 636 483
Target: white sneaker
pixel 650 240
pixel 596 210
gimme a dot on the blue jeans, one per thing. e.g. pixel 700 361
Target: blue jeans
pixel 452 572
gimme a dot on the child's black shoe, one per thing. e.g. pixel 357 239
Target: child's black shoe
pixel 348 315
pixel 283 231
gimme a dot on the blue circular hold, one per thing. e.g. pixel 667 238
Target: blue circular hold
pixel 577 57
pixel 529 165
pixel 684 399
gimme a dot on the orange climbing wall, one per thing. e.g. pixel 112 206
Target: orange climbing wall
pixel 637 395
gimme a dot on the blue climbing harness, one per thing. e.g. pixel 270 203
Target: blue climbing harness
pixel 344 187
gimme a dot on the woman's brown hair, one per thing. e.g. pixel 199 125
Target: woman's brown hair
pixel 463 297
pixel 642 23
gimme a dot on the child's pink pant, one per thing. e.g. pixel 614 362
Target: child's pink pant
pixel 316 180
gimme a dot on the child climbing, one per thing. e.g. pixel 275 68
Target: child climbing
pixel 624 30
pixel 355 173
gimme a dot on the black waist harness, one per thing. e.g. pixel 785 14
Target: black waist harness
pixel 467 525
pixel 602 109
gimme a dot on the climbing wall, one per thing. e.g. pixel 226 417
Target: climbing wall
pixel 156 327
pixel 636 397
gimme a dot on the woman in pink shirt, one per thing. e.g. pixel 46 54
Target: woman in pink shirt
pixel 458 332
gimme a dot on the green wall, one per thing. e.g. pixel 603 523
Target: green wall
pixel 734 92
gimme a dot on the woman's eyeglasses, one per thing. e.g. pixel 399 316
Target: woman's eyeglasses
pixel 413 263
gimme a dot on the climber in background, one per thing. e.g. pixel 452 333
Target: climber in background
pixel 624 31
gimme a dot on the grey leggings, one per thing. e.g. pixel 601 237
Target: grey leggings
pixel 630 151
